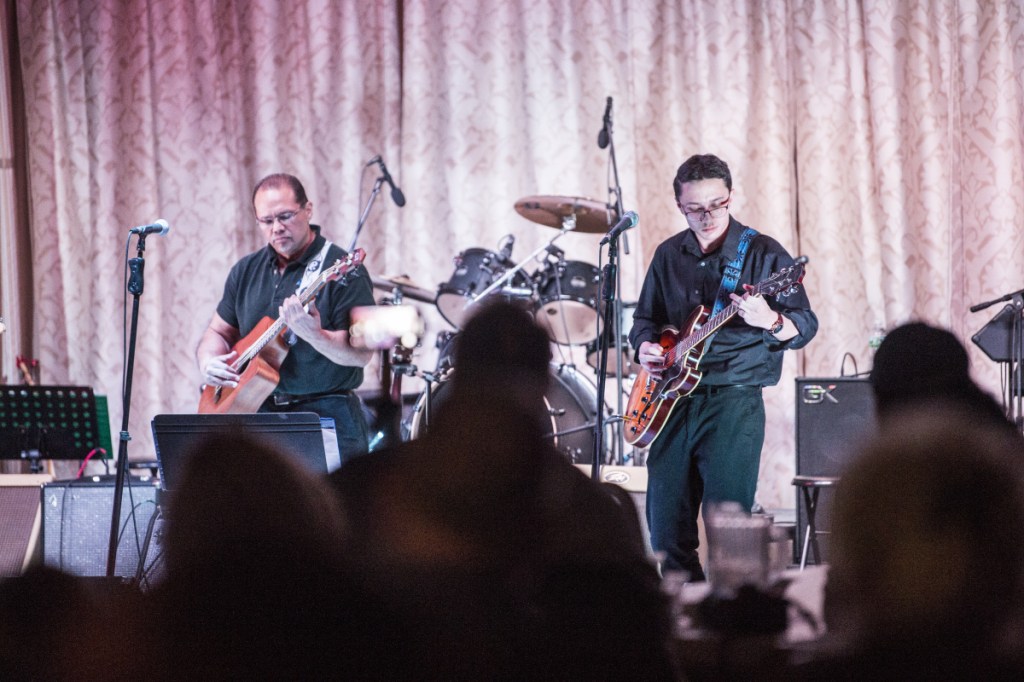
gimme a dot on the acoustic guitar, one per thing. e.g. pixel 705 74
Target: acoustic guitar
pixel 651 401
pixel 262 351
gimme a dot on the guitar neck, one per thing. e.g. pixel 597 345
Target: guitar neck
pixel 713 324
pixel 307 295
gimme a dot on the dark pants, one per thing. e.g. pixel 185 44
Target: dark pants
pixel 708 451
pixel 347 412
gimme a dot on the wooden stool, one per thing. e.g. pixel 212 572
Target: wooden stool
pixel 810 487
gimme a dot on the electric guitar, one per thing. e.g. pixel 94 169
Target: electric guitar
pixel 262 351
pixel 651 400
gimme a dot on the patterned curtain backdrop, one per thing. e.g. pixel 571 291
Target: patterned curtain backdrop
pixel 880 139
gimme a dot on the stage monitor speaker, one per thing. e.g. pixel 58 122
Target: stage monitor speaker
pixel 634 481
pixel 76 525
pixel 996 337
pixel 834 417
pixel 20 522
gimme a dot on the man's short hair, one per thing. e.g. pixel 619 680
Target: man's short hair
pixel 282 180
pixel 701 167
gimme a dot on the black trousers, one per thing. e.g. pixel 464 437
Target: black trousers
pixel 347 412
pixel 708 451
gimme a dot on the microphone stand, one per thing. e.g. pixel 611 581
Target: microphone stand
pixel 609 277
pixel 136 268
pixel 615 191
pixel 366 212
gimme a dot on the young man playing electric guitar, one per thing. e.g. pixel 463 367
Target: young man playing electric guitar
pixel 708 447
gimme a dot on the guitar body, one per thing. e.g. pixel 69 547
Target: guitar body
pixel 651 401
pixel 257 380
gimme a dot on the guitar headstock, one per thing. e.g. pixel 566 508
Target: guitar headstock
pixel 784 282
pixel 343 267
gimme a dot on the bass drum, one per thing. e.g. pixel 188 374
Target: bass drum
pixel 475 270
pixel 568 412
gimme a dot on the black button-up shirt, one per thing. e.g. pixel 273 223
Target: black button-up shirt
pixel 682 277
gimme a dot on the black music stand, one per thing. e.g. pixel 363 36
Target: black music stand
pixel 48 422
pixel 1002 340
pixel 298 434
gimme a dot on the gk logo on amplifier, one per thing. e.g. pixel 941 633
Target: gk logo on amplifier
pixel 814 394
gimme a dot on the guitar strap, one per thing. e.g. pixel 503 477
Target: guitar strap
pixel 313 271
pixel 731 276
pixel 314 268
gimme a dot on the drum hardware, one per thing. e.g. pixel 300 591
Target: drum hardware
pixel 622 358
pixel 401 287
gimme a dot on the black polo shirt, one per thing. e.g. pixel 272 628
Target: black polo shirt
pixel 255 290
pixel 681 277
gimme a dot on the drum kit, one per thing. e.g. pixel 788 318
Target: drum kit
pixel 564 297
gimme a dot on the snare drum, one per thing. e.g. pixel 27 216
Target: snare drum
pixel 567 295
pixel 475 270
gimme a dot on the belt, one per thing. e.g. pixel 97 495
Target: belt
pixel 713 390
pixel 281 399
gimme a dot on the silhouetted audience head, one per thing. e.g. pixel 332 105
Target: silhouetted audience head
pixel 916 364
pixel 927 567
pixel 498 555
pixel 502 345
pixel 255 582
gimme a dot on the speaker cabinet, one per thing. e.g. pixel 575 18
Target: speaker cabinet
pixel 834 417
pixel 20 521
pixel 76 525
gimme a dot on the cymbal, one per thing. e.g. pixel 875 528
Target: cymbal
pixel 592 217
pixel 408 288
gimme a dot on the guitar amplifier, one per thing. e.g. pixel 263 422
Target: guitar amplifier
pixel 834 417
pixel 76 525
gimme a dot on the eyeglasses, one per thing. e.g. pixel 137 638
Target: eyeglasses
pixel 284 217
pixel 699 214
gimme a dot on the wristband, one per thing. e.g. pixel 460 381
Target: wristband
pixel 777 327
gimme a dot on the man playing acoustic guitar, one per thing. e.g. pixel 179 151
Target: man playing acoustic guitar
pixel 708 448
pixel 320 369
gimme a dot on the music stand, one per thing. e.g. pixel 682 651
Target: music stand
pixel 297 434
pixel 1002 340
pixel 48 422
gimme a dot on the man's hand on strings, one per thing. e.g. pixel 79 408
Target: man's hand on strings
pixel 754 310
pixel 305 324
pixel 651 356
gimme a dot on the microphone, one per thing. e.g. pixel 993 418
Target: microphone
pixel 396 194
pixel 159 227
pixel 603 137
pixel 630 219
